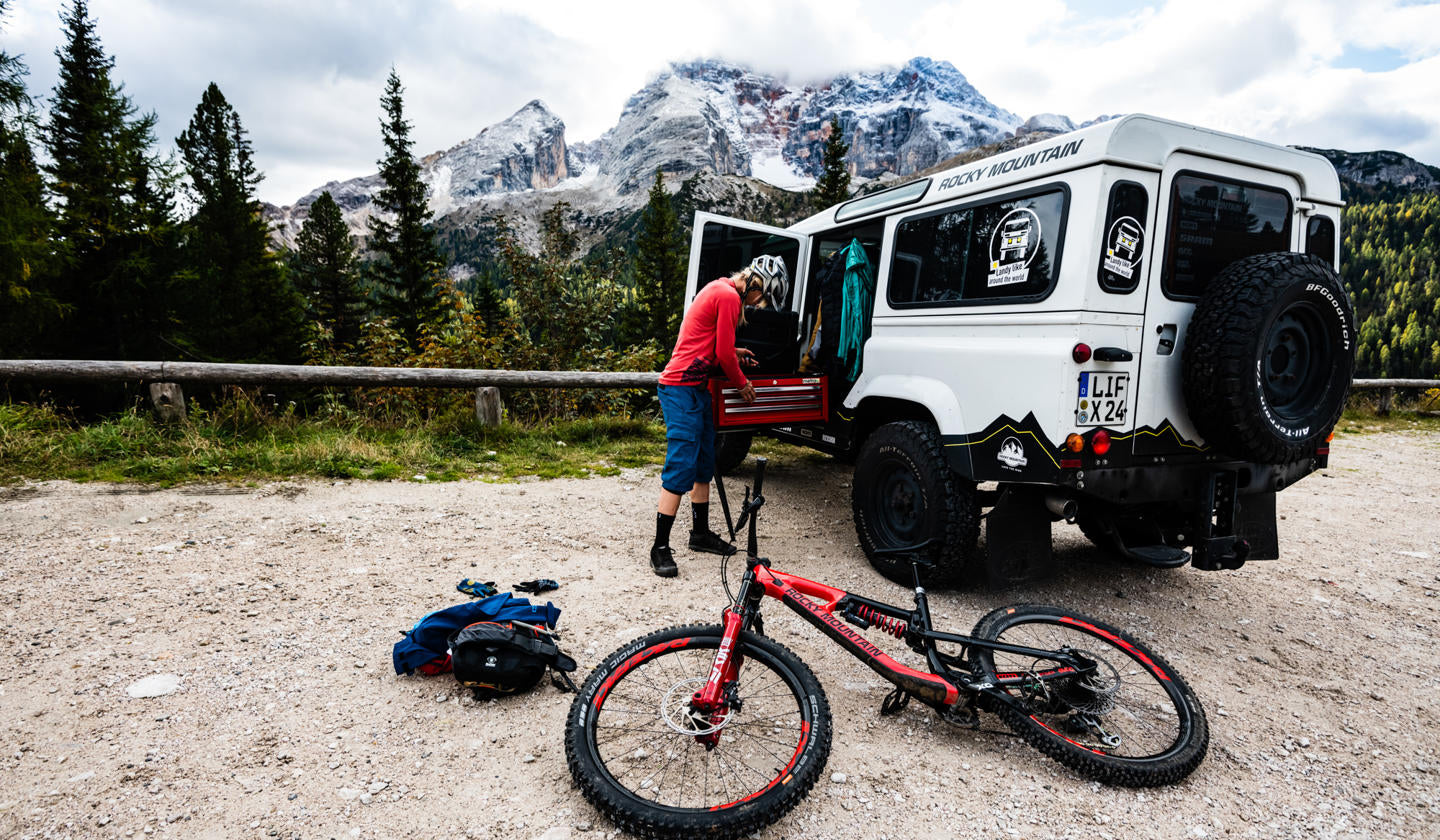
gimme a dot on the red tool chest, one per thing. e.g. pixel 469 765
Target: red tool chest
pixel 782 400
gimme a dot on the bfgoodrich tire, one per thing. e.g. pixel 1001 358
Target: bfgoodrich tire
pixel 905 493
pixel 1268 357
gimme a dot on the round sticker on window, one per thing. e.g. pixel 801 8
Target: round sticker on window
pixel 1124 245
pixel 1012 246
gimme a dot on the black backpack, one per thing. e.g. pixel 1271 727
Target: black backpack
pixel 495 659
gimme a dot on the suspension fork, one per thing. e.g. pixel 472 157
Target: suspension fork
pixel 725 669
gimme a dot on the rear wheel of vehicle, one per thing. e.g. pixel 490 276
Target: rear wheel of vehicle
pixel 1130 720
pixel 731 449
pixel 1268 357
pixel 905 493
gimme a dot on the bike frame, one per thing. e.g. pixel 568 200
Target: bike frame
pixel 819 603
pixel 828 608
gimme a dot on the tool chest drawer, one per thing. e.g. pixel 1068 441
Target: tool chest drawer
pixel 787 399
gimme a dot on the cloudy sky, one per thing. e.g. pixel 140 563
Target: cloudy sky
pixel 306 76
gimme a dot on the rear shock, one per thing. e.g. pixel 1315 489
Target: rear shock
pixel 871 617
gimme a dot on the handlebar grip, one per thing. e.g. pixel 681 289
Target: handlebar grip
pixel 760 473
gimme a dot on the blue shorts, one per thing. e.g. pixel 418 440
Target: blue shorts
pixel 689 437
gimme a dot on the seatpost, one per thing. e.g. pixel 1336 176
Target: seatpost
pixel 752 549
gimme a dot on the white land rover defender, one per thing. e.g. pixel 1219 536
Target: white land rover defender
pixel 1137 327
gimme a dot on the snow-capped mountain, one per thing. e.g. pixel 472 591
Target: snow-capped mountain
pixel 698 117
pixel 724 118
pixel 526 151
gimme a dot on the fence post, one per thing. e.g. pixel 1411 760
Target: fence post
pixel 1386 395
pixel 168 400
pixel 487 405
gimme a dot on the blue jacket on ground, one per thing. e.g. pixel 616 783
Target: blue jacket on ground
pixel 430 637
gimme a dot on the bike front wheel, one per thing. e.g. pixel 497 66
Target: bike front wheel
pixel 1129 720
pixel 643 756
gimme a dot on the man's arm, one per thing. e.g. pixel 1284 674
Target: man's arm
pixel 727 317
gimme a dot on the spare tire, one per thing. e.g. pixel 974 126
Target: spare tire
pixel 1268 357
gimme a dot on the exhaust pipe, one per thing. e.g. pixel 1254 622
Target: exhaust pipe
pixel 1061 507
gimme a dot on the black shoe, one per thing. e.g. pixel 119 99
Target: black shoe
pixel 662 560
pixel 711 543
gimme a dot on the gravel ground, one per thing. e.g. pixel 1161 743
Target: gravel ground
pixel 272 611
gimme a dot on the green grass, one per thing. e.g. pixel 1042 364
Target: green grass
pixel 38 443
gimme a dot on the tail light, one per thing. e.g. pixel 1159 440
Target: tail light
pixel 1100 442
pixel 1080 353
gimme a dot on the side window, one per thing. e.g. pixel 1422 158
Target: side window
pixel 998 252
pixel 1125 237
pixel 1214 222
pixel 1320 238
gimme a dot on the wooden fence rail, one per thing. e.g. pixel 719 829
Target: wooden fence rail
pixel 69 370
pixel 161 374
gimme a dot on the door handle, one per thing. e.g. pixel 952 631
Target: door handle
pixel 1113 354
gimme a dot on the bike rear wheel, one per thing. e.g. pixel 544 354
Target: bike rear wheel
pixel 640 756
pixel 1132 721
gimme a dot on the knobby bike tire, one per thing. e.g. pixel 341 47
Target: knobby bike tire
pixel 1142 700
pixel 653 780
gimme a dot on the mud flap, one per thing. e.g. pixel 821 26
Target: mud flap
pixel 1017 538
pixel 1255 523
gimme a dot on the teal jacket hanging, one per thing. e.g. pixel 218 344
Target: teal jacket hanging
pixel 855 311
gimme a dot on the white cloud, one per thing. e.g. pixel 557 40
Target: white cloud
pixel 307 77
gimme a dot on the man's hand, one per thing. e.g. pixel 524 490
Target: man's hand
pixel 748 393
pixel 746 356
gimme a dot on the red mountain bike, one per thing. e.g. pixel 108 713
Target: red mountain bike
pixel 716 730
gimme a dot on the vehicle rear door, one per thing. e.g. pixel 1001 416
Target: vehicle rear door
pixel 721 246
pixel 1212 213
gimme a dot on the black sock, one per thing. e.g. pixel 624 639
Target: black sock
pixel 701 510
pixel 663 523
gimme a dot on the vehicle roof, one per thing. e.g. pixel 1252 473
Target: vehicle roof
pixel 1137 140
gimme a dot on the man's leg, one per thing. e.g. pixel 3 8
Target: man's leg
pixel 677 474
pixel 701 537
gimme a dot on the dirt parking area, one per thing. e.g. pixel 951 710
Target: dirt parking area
pixel 271 611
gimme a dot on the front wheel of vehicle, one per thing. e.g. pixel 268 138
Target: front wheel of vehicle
pixel 731 449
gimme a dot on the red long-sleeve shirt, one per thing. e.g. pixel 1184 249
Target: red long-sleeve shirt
pixel 706 344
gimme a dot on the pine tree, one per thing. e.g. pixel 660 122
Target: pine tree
pixel 114 221
pixel 26 304
pixel 833 185
pixel 660 263
pixel 324 268
pixel 407 270
pixel 235 301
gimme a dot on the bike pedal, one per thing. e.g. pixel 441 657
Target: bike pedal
pixel 967 717
pixel 894 702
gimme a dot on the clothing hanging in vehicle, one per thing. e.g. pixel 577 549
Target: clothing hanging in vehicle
pixel 855 315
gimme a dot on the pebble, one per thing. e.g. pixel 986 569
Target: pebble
pixel 838 778
pixel 157 686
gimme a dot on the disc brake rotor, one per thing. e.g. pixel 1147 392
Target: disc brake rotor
pixel 678 713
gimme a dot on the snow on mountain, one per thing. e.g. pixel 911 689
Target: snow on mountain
pixel 525 151
pixel 724 118
pixel 701 117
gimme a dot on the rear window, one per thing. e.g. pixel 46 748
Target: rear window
pixel 1320 238
pixel 1216 221
pixel 997 252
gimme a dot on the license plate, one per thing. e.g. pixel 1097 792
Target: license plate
pixel 1102 398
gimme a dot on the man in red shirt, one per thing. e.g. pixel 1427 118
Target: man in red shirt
pixel 705 346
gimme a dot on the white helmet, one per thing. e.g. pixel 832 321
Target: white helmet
pixel 774 280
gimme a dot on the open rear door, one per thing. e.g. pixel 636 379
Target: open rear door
pixel 721 246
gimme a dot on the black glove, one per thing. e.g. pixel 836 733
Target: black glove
pixel 535 587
